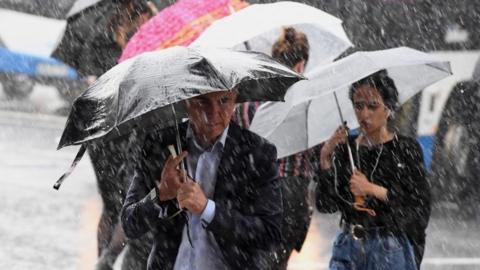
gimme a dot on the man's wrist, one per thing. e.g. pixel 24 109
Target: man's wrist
pixel 161 194
pixel 208 213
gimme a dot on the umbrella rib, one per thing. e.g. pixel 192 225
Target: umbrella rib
pixel 439 68
pixel 217 73
pixel 306 123
pixel 118 107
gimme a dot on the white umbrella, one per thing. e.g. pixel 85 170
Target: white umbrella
pixel 310 115
pixel 261 24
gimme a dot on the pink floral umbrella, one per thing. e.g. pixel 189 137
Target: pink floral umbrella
pixel 178 24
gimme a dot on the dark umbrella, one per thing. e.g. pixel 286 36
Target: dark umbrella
pixel 76 47
pixel 89 44
pixel 142 91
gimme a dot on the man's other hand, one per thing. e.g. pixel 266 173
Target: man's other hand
pixel 191 197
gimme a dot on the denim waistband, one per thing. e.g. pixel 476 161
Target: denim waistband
pixel 359 231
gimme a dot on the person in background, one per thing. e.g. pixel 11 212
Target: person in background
pixel 110 159
pixel 291 49
pixel 389 174
pixel 127 18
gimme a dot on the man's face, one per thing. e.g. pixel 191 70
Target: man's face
pixel 211 113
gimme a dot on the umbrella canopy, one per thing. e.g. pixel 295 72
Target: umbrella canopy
pixel 75 47
pixel 137 91
pixel 310 115
pixel 178 24
pixel 90 42
pixel 260 25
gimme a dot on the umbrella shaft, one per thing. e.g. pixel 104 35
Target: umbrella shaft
pixel 179 144
pixel 350 156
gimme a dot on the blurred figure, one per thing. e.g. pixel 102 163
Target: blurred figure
pixel 123 23
pixel 388 173
pixel 291 49
pixel 110 159
pixel 126 24
pixel 456 153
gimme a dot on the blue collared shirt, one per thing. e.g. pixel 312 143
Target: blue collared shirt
pixel 203 165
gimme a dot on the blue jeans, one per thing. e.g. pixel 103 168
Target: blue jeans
pixel 375 252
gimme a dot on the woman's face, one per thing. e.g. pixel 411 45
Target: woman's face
pixel 371 112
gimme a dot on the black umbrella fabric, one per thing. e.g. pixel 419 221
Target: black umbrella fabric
pixel 89 44
pixel 140 91
pixel 84 28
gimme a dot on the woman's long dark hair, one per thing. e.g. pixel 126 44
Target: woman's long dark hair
pixel 384 85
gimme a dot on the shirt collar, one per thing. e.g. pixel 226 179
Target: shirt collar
pixel 220 142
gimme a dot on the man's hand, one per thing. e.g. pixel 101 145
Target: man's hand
pixel 171 178
pixel 191 197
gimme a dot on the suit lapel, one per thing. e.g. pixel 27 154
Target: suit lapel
pixel 226 166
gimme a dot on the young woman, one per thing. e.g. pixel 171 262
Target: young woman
pixel 388 175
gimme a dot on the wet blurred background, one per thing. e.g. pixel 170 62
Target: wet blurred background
pixel 41 228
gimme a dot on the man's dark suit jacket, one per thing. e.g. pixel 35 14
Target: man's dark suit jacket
pixel 248 201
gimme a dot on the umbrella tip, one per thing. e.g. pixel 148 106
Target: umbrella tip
pixel 57 185
pixel 62 144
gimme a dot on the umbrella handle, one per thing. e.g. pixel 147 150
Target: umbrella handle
pixel 342 120
pixel 179 144
pixel 173 153
pixel 350 156
pixel 359 200
pixel 77 159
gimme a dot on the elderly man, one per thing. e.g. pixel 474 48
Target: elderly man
pixel 231 196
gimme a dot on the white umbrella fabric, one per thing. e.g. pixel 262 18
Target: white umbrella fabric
pixel 309 114
pixel 258 26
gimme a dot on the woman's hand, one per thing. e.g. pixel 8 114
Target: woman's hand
pixel 339 136
pixel 360 186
